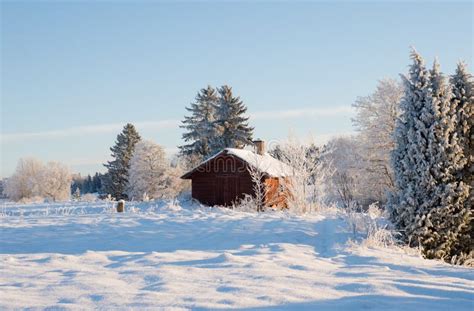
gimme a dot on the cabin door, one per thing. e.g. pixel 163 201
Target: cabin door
pixel 227 189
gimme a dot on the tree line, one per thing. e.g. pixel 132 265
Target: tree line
pixel 87 184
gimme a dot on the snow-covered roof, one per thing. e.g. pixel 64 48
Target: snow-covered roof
pixel 264 163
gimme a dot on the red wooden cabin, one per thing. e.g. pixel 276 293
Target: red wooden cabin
pixel 225 178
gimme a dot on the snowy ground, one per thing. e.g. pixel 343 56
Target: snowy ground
pixel 82 256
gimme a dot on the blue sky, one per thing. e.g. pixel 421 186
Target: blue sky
pixel 73 73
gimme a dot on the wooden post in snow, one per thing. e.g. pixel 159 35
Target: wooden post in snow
pixel 121 206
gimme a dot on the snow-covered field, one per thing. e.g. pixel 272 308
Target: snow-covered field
pixel 163 256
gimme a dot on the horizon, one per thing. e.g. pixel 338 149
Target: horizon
pixel 86 79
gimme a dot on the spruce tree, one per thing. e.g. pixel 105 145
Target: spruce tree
pixel 231 123
pixel 122 151
pixel 463 110
pixel 77 194
pixel 428 205
pixel 445 219
pixel 88 186
pixel 463 102
pixel 96 181
pixel 411 148
pixel 199 126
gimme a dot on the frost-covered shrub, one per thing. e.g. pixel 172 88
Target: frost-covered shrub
pixel 358 221
pixel 29 200
pixel 380 237
pixel 173 205
pixel 88 197
pixel 377 231
pixel 109 206
pixel 374 211
pixel 465 259
pixel 247 204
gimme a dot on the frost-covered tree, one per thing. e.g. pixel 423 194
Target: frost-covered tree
pixel 233 130
pixel 25 182
pixel 427 205
pixel 148 170
pixel 295 153
pixel 306 184
pixel 34 179
pixel 463 105
pixel 411 147
pixel 463 109
pixel 117 174
pixel 199 126
pixel 55 181
pixel 375 120
pixel 346 181
pixel 174 185
pixel 447 218
pixel 188 162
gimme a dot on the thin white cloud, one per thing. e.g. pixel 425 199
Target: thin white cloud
pixel 318 139
pixel 87 130
pixel 303 112
pixel 169 124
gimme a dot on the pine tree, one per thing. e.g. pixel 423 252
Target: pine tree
pixel 77 182
pixel 411 150
pixel 77 194
pixel 87 186
pixel 96 182
pixel 446 218
pixel 199 126
pixel 122 151
pixel 463 101
pixel 231 123
pixel 463 109
pixel 428 206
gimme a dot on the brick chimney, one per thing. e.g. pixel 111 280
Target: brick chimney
pixel 259 146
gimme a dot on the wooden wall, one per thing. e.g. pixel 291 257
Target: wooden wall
pixel 276 196
pixel 225 179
